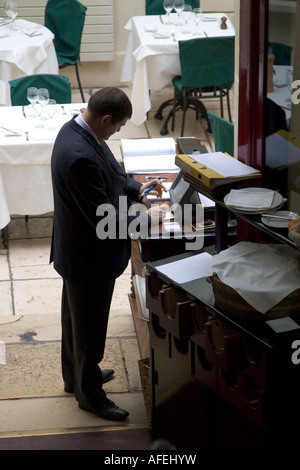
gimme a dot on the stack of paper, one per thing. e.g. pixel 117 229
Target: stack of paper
pixel 149 155
pixel 217 168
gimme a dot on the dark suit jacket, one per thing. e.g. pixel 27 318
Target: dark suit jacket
pixel 84 176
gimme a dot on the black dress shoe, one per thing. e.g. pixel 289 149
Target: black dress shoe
pixel 107 375
pixel 106 409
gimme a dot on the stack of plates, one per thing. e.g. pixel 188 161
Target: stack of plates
pixel 277 201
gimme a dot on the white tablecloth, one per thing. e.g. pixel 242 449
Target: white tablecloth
pixel 25 165
pixel 22 54
pixel 282 94
pixel 151 62
pixel 4 214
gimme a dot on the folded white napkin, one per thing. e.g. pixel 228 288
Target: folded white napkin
pixel 26 25
pixel 11 131
pixel 32 32
pixel 260 200
pixel 150 28
pixel 209 18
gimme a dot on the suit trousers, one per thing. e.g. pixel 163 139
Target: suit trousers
pixel 85 312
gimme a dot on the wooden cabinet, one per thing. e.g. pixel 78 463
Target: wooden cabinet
pixel 217 381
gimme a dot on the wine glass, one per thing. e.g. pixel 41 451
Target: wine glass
pixel 168 6
pixel 186 14
pixel 178 7
pixel 41 103
pixel 32 95
pixel 11 9
pixel 51 110
pixel 197 18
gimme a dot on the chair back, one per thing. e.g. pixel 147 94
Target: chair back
pixel 66 18
pixel 282 53
pixel 155 7
pixel 59 88
pixel 207 62
pixel 223 132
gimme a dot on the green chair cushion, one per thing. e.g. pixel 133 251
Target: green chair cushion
pixel 207 62
pixel 223 132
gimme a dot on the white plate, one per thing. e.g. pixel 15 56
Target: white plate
pixel 277 223
pixel 278 202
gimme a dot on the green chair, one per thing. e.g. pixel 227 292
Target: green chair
pixel 59 88
pixel 207 71
pixel 66 18
pixel 155 7
pixel 223 132
pixel 282 53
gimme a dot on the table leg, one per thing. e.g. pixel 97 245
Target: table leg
pixel 5 237
pixel 221 220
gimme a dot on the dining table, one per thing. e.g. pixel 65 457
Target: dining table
pixel 26 48
pixel 152 54
pixel 26 142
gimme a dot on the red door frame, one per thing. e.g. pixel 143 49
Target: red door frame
pixel 252 83
pixel 252 58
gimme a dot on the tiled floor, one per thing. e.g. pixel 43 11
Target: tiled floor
pixel 32 400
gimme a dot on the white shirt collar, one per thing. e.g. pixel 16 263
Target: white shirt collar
pixel 79 119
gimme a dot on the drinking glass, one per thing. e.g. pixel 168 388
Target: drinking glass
pixel 32 93
pixel 168 6
pixel 51 110
pixel 178 7
pixel 186 15
pixel 41 103
pixel 197 14
pixel 32 98
pixel 11 9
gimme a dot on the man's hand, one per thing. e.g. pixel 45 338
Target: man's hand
pixel 157 189
pixel 157 213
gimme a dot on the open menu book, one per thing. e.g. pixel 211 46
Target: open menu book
pixel 149 155
pixel 217 168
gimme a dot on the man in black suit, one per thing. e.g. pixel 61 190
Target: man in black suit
pixel 86 180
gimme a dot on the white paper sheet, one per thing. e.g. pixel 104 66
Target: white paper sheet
pixel 139 147
pixel 224 165
pixel 151 164
pixel 187 269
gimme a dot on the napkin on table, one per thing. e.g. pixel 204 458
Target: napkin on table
pixel 260 200
pixel 24 24
pixel 11 131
